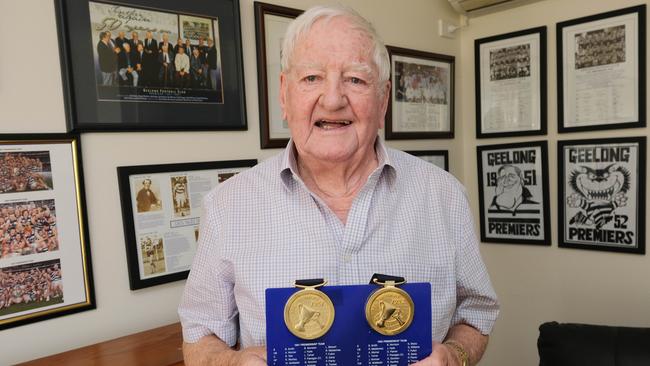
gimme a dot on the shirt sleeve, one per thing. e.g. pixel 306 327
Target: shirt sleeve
pixel 208 304
pixel 476 301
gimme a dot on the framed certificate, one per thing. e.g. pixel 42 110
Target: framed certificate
pixel 161 208
pixel 422 95
pixel 439 158
pixel 513 191
pixel 601 62
pixel 511 84
pixel 45 265
pixel 145 65
pixel 271 22
pixel 601 194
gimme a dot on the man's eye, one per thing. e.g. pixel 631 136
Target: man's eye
pixel 355 80
pixel 311 78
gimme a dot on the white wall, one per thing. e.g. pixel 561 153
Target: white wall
pixel 31 101
pixel 538 284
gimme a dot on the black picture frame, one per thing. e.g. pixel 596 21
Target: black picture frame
pixel 519 212
pixel 599 221
pixel 268 73
pixel 428 154
pixel 606 77
pixel 157 207
pixel 60 247
pixel 510 58
pixel 95 102
pixel 438 66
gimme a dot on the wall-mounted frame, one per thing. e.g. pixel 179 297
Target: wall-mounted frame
pixel 510 81
pixel 271 22
pixel 601 70
pixel 421 104
pixel 45 264
pixel 601 194
pixel 161 207
pixel 124 82
pixel 513 193
pixel 439 158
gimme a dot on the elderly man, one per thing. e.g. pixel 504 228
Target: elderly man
pixel 336 204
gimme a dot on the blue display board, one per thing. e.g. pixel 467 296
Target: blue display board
pixel 350 340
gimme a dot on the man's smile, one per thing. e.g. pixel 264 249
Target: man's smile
pixel 327 124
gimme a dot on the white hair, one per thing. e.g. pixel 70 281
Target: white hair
pixel 303 23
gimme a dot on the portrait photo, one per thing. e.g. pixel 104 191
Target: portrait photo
pixel 148 195
pixel 153 254
pixel 180 196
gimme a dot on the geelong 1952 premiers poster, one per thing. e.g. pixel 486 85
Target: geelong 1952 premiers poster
pixel 602 194
pixel 513 190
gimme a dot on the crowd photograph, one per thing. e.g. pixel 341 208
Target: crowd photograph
pixel 27 228
pixel 30 286
pixel 420 83
pixel 510 62
pixel 25 171
pixel 600 47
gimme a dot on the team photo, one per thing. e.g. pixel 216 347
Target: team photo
pixel 25 171
pixel 27 228
pixel 30 286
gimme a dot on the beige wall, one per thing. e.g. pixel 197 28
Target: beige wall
pixel 31 100
pixel 541 284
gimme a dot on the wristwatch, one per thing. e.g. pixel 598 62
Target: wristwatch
pixel 460 351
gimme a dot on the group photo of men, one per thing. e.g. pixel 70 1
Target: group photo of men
pixel 25 171
pixel 420 83
pixel 510 62
pixel 149 62
pixel 30 286
pixel 27 228
pixel 600 47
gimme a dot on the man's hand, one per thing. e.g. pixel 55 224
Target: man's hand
pixel 212 351
pixel 252 356
pixel 441 355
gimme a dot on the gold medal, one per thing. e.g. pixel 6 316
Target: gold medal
pixel 389 310
pixel 309 313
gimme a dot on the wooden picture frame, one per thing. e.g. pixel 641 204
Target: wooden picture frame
pixel 271 22
pixel 44 250
pixel 422 98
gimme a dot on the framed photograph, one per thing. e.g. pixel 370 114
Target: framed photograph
pixel 513 193
pixel 45 264
pixel 601 70
pixel 271 22
pixel 161 208
pixel 602 194
pixel 422 97
pixel 145 65
pixel 439 158
pixel 511 84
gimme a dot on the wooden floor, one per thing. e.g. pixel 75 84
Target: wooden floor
pixel 155 347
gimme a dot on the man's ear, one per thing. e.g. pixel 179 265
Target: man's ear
pixel 384 106
pixel 283 94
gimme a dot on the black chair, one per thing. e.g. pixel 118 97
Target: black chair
pixel 592 345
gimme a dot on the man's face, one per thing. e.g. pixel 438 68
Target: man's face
pixel 509 177
pixel 121 35
pixel 331 96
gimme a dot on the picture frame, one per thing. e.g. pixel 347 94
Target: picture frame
pixel 601 71
pixel 514 193
pixel 44 248
pixel 422 97
pixel 601 194
pixel 439 158
pixel 124 81
pixel 271 22
pixel 511 92
pixel 161 208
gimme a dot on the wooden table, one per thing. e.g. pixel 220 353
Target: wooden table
pixel 154 347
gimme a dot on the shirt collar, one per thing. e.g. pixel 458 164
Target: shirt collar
pixel 289 167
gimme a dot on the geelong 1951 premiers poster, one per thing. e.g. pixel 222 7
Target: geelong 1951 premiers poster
pixel 513 190
pixel 602 194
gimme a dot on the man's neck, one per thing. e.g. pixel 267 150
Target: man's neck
pixel 337 184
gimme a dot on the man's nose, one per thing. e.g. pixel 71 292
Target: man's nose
pixel 333 96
